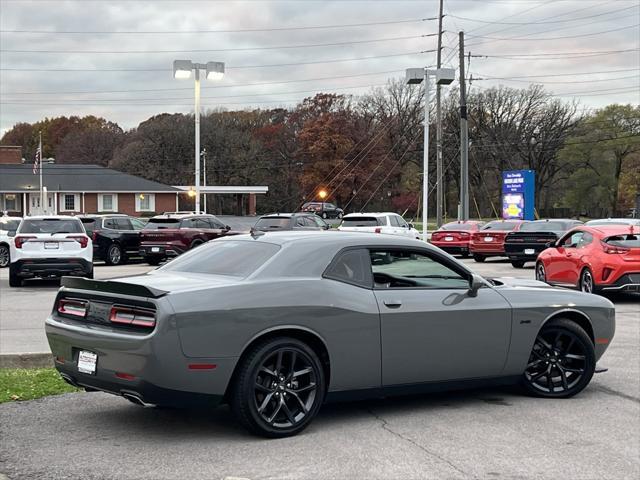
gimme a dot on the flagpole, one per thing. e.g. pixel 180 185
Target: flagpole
pixel 42 202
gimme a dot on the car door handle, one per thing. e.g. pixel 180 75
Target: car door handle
pixel 392 303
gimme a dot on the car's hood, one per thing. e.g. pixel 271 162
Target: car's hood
pixel 519 282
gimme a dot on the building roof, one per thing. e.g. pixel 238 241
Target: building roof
pixel 75 178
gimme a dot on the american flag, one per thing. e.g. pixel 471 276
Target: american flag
pixel 36 164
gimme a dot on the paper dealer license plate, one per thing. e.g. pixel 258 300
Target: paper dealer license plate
pixel 448 239
pixel 51 245
pixel 87 362
pixel 155 249
pixel 488 239
pixel 529 251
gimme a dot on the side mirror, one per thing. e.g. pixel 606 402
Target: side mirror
pixel 227 227
pixel 411 225
pixel 11 233
pixel 550 245
pixel 327 227
pixel 476 282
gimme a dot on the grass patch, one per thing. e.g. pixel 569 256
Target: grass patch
pixel 28 383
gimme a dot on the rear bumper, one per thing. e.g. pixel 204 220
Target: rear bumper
pixel 150 367
pixel 51 267
pixel 629 282
pixel 487 248
pixel 159 250
pixel 517 252
pixel 452 247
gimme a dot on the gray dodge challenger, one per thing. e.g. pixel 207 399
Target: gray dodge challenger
pixel 276 324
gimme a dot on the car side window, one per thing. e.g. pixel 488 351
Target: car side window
pixel 586 240
pixel 110 223
pixel 572 241
pixel 318 221
pixel 351 266
pixel 401 222
pixel 394 221
pixel 137 224
pixel 202 223
pixel 300 222
pixel 188 223
pixel 123 224
pixel 411 269
pixel 216 223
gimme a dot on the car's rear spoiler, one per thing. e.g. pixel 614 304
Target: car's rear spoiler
pixel 109 286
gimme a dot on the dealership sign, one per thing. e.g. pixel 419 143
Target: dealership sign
pixel 518 194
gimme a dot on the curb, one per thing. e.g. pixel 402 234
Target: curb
pixel 26 360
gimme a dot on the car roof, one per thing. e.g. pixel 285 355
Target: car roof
pixel 610 229
pixel 369 214
pixel 473 222
pixel 182 216
pixel 288 215
pixel 618 221
pixel 52 217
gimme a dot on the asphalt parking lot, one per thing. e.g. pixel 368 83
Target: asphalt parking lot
pixel 490 433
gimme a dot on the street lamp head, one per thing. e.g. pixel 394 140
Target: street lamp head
pixel 191 192
pixel 322 194
pixel 182 68
pixel 414 75
pixel 215 70
pixel 444 76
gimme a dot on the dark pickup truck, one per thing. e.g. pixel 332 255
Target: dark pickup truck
pixel 169 235
pixel 116 237
pixel 534 237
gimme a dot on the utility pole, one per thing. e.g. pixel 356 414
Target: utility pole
pixel 463 209
pixel 439 172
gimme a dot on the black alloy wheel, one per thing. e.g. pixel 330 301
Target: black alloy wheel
pixel 114 255
pixel 4 256
pixel 279 388
pixel 541 274
pixel 562 361
pixel 586 281
pixel 479 258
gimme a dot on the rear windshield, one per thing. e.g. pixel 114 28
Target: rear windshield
pixel 51 225
pixel 458 226
pixel 544 227
pixel 158 223
pixel 505 226
pixel 272 223
pixel 9 225
pixel 628 240
pixel 360 222
pixel 230 258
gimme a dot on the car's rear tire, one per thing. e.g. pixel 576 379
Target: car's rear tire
pixel 278 388
pixel 464 254
pixel 541 273
pixel 562 361
pixel 14 279
pixel 587 283
pixel 479 258
pixel 114 255
pixel 153 261
pixel 196 243
pixel 517 264
pixel 5 259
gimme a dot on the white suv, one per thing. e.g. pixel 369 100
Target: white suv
pixel 8 226
pixel 50 246
pixel 385 222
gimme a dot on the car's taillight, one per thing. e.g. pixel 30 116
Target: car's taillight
pixel 83 240
pixel 19 241
pixel 378 230
pixel 139 317
pixel 72 307
pixel 613 249
pixel 463 234
pixel 94 235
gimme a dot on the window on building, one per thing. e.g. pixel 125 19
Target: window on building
pixel 145 202
pixel 11 202
pixel 70 202
pixel 107 202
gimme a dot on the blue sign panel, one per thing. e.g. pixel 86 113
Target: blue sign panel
pixel 518 197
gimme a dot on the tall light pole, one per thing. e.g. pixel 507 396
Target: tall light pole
pixel 214 71
pixel 444 76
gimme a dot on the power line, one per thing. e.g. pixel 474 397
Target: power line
pixel 239 49
pixel 592 34
pixel 241 30
pixel 570 74
pixel 515 79
pixel 493 22
pixel 555 56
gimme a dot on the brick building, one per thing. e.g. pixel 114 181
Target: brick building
pixel 73 189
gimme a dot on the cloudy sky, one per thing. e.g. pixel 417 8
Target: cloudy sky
pixel 113 58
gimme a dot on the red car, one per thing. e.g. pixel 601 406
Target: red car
pixel 454 237
pixel 594 259
pixel 489 241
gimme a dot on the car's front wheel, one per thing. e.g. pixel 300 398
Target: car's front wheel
pixel 4 256
pixel 541 274
pixel 278 388
pixel 562 361
pixel 14 279
pixel 479 258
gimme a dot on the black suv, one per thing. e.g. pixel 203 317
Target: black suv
pixel 289 221
pixel 324 209
pixel 115 236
